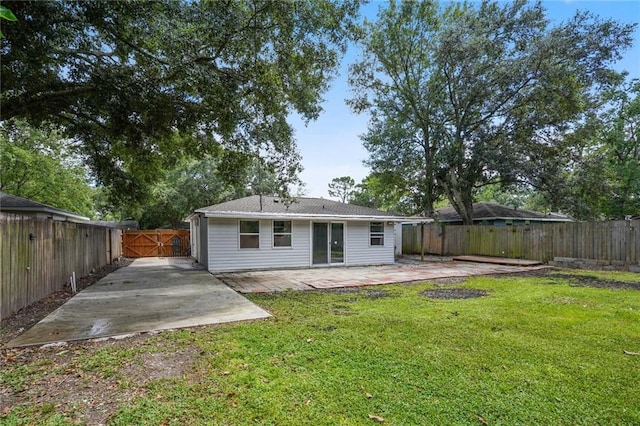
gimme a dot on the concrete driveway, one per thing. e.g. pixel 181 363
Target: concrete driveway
pixel 150 294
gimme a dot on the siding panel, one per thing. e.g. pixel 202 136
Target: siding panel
pixel 225 254
pixel 358 250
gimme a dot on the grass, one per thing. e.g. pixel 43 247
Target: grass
pixel 534 351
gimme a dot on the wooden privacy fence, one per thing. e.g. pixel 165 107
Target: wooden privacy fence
pixel 614 241
pixel 39 255
pixel 156 243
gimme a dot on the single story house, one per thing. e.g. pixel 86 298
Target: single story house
pixel 262 232
pixel 14 204
pixel 494 214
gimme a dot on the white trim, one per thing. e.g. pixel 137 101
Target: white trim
pixel 377 234
pixel 246 233
pixel 299 216
pixel 311 243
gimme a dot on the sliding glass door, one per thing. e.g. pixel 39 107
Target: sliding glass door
pixel 328 243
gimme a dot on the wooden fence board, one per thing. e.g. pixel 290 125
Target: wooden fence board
pixel 33 268
pixel 153 243
pixel 617 241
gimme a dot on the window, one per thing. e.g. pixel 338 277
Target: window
pixel 282 233
pixel 376 233
pixel 249 234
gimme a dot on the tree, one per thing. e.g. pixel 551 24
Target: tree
pixel 41 165
pixel 621 146
pixel 393 83
pixel 190 185
pixel 142 84
pixel 602 178
pixel 385 191
pixel 465 96
pixel 342 188
pixel 6 14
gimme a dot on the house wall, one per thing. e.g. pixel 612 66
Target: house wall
pixel 358 250
pixel 224 253
pixel 203 242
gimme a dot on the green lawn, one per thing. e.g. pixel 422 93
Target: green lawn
pixel 533 351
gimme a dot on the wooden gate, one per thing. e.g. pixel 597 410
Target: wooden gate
pixel 156 243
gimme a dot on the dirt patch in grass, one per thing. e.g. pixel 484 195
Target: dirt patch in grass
pixel 29 316
pixel 59 380
pixel 575 280
pixel 449 280
pixel 453 293
pixel 55 379
pixel 593 281
pixel 367 293
pixel 160 365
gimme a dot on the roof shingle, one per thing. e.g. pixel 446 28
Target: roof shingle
pixel 484 211
pixel 13 203
pixel 298 206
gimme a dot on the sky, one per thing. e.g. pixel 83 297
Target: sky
pixel 331 146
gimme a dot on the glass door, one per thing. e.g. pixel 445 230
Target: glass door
pixel 320 246
pixel 328 243
pixel 337 243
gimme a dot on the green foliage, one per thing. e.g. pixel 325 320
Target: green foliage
pixel 41 164
pixel 393 83
pixel 342 188
pixel 190 185
pixel 608 177
pixel 600 173
pixel 124 78
pixel 468 95
pixel 386 191
pixel 7 15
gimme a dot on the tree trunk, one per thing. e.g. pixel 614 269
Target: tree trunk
pixel 459 196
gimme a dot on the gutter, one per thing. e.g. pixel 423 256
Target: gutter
pixel 301 216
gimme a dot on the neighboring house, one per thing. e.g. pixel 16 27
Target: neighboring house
pixel 497 215
pixel 13 204
pixel 266 232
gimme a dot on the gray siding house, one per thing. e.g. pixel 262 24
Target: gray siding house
pixel 267 232
pixel 14 204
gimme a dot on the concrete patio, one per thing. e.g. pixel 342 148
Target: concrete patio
pixel 150 294
pixel 408 270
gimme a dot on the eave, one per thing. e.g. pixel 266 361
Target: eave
pixel 300 216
